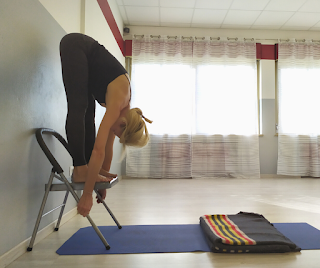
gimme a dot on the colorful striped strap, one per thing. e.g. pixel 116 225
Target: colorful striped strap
pixel 227 230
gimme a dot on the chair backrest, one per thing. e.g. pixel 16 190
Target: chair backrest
pixel 39 135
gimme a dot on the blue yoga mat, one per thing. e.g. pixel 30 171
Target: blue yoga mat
pixel 302 234
pixel 167 238
pixel 137 239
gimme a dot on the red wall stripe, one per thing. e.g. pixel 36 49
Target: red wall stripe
pixel 106 10
pixel 267 52
pixel 128 46
pixel 258 51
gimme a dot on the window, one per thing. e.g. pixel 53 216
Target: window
pixel 299 95
pixel 203 99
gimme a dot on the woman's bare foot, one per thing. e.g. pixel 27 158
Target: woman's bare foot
pixel 103 179
pixel 80 175
pixel 107 174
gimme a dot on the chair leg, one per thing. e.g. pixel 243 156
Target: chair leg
pixel 61 211
pixel 109 210
pixel 104 241
pixel 44 200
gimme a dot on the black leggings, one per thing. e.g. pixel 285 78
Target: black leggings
pixel 80 124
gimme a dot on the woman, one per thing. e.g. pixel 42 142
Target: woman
pixel 91 73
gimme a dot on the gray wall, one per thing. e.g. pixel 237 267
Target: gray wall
pixel 31 96
pixel 268 143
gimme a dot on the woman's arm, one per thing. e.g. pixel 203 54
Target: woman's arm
pixel 108 152
pixel 117 98
pixel 97 157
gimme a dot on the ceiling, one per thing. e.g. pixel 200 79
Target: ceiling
pixel 223 14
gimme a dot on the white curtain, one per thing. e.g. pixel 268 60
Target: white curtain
pixel 299 109
pixel 202 96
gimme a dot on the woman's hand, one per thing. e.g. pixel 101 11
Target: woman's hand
pixel 103 194
pixel 108 177
pixel 85 204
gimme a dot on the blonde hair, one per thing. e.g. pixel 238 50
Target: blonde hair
pixel 135 131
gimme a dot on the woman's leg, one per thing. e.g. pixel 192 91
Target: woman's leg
pixel 80 123
pixel 90 128
pixel 75 78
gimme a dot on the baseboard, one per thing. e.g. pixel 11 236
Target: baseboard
pixel 276 176
pixel 20 249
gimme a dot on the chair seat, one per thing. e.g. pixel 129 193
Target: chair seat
pixel 80 185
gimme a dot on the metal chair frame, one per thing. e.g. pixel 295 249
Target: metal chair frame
pixel 65 185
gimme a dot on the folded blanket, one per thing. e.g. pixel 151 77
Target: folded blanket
pixel 244 233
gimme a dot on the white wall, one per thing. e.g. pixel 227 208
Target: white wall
pixel 97 27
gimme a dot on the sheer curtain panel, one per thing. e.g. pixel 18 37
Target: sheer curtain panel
pixel 299 109
pixel 202 97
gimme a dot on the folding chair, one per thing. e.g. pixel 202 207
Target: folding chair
pixel 65 185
